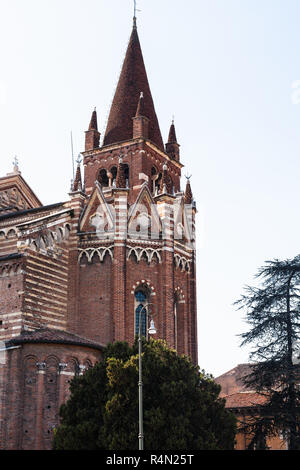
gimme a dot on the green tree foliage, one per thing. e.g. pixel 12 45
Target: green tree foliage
pixel 182 408
pixel 273 313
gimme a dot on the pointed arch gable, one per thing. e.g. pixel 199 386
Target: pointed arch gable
pixel 97 206
pixel 145 207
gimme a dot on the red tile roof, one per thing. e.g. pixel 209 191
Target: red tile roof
pixel 244 400
pixel 47 335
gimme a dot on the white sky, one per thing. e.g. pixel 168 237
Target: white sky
pixel 224 68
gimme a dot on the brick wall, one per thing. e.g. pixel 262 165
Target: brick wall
pixel 37 382
pixel 95 299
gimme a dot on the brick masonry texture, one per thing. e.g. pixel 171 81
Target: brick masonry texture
pixel 69 272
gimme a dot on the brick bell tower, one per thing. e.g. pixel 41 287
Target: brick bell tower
pixel 75 275
pixel 135 242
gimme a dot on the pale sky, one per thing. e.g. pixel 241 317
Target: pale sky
pixel 225 69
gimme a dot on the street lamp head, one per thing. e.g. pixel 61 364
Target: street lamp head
pixel 152 329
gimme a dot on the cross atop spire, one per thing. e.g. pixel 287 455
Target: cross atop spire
pixel 134 14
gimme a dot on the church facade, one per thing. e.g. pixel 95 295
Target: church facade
pixel 78 274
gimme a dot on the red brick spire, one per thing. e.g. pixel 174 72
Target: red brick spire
pixel 92 136
pixel 172 134
pixel 132 81
pixel 172 146
pixel 94 122
pixel 77 185
pixel 140 121
pixel 188 195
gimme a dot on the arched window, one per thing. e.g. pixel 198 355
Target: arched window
pixel 141 310
pixel 103 178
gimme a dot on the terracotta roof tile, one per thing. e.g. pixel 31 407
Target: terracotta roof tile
pixel 244 400
pixel 47 335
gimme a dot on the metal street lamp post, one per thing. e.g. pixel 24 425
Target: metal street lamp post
pixel 151 331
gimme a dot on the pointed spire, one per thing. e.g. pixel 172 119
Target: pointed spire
pixel 94 122
pixel 77 185
pixel 140 121
pixel 172 134
pixel 172 146
pixel 92 136
pixel 188 195
pixel 133 79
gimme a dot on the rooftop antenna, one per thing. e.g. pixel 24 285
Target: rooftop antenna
pixel 72 150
